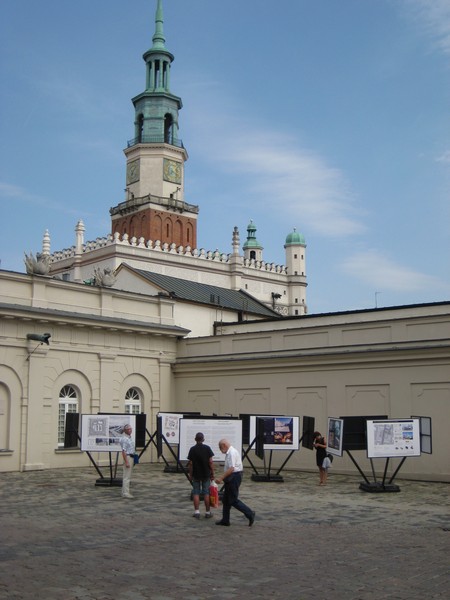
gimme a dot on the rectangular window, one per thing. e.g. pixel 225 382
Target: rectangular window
pixel 64 407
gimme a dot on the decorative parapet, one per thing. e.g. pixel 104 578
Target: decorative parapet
pixel 157 246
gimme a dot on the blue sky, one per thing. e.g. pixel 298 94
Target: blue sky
pixel 331 116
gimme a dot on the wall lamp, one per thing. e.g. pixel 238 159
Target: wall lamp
pixel 41 338
pixel 275 297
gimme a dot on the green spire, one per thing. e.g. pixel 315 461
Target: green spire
pixel 251 242
pixel 158 37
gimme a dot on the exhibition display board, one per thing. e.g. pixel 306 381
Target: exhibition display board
pixel 214 430
pixel 101 433
pixel 170 425
pixel 280 432
pixel 392 438
pixel 335 436
pixel 426 445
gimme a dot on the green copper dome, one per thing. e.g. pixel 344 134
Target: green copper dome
pixel 252 242
pixel 295 238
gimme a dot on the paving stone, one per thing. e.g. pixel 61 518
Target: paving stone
pixel 63 537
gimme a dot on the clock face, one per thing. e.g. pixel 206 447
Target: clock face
pixel 133 171
pixel 172 171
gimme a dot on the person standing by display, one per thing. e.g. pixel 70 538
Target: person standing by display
pixel 128 452
pixel 320 445
pixel 201 472
pixel 232 478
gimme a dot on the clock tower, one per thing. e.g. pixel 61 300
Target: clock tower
pixel 154 206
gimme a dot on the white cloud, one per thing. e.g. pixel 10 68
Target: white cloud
pixel 273 169
pixel 444 157
pixel 433 17
pixel 10 191
pixel 381 273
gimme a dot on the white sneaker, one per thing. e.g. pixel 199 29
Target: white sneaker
pixel 127 496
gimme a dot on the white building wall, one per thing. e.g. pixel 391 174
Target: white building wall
pixel 386 361
pixel 100 353
pixel 394 362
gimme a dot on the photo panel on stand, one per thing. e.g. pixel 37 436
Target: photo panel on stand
pixel 335 436
pixel 280 432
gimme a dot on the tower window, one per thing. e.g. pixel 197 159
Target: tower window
pixel 140 128
pixel 295 256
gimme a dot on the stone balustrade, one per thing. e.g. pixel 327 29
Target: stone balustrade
pixel 157 246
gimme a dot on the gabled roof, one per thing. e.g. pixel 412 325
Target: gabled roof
pixel 203 293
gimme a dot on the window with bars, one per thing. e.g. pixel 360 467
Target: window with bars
pixel 68 403
pixel 132 402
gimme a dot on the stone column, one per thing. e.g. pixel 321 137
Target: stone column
pixel 33 409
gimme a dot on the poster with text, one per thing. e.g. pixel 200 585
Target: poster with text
pixel 101 433
pixel 280 432
pixel 170 426
pixel 393 438
pixel 214 430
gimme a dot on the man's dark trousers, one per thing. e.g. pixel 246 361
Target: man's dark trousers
pixel 231 498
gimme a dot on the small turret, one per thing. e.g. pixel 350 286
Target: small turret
pixel 295 247
pixel 252 248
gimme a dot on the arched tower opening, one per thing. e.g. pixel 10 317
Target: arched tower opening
pixel 168 128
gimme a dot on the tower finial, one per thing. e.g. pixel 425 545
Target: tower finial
pixel 158 37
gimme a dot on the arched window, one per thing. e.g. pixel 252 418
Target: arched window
pixel 178 232
pixel 140 129
pixel 132 402
pixel 168 129
pixel 168 232
pixel 68 403
pixel 4 417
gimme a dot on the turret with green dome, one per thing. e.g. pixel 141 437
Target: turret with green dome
pixel 295 248
pixel 295 238
pixel 252 248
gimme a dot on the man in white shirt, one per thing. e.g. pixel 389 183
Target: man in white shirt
pixel 128 452
pixel 232 478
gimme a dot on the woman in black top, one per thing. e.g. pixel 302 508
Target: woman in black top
pixel 320 445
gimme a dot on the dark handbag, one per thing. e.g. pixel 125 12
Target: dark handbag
pixel 136 459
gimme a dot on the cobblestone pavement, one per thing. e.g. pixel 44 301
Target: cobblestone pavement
pixel 63 537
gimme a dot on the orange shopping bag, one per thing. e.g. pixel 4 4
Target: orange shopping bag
pixel 213 495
